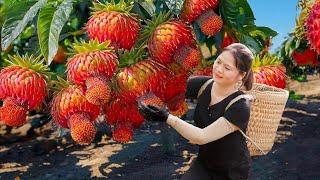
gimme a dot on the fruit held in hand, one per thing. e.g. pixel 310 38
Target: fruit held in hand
pixel 151 99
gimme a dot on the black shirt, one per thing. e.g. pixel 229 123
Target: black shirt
pixel 231 150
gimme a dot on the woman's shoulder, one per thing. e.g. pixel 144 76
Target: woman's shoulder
pixel 242 101
pixel 194 84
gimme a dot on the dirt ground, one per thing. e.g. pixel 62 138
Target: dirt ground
pixel 42 154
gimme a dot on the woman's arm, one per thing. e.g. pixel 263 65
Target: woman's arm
pixel 218 129
pixel 194 84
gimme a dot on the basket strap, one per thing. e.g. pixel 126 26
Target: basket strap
pixel 255 144
pixel 245 96
pixel 203 87
pixel 247 137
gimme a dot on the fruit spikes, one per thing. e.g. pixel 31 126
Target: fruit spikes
pixel 82 130
pixel 210 23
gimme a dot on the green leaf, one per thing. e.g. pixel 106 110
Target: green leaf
pixel 160 6
pixel 19 14
pixel 50 23
pixel 175 5
pixel 141 11
pixel 236 13
pixel 260 31
pixel 287 45
pixel 253 44
pixel 148 7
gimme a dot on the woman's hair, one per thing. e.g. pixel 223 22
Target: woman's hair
pixel 243 57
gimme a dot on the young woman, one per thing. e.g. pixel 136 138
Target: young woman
pixel 223 152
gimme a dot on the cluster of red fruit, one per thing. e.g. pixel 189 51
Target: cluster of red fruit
pixel 107 75
pixel 311 24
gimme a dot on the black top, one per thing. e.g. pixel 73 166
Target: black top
pixel 231 150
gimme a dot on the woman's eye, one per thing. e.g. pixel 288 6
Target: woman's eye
pixel 227 68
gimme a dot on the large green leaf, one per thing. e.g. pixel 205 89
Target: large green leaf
pixel 50 23
pixel 18 14
pixel 144 10
pixel 254 45
pixel 236 13
pixel 161 6
pixel 261 31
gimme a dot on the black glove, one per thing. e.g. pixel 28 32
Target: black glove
pixel 153 113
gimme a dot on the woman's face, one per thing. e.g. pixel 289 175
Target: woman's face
pixel 224 70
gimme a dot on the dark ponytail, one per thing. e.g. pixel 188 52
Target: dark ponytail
pixel 244 58
pixel 247 81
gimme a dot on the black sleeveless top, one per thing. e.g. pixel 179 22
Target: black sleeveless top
pixel 231 150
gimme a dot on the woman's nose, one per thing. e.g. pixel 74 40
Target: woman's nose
pixel 219 69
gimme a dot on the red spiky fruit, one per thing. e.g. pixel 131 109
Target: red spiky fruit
pixel 167 38
pixel 151 99
pixel 82 129
pixel 307 57
pixel 113 22
pixel 122 133
pixel 22 88
pixel 271 75
pixel 12 114
pixel 140 78
pixel 192 9
pixel 179 109
pixel 119 111
pixel 313 27
pixel 93 66
pixel 70 109
pixel 188 57
pixel 98 92
pixel 210 23
pixel 227 40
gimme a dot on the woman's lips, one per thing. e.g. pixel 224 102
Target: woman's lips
pixel 217 76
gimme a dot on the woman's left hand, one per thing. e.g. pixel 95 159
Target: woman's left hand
pixel 153 113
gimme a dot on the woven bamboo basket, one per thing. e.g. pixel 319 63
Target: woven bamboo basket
pixel 266 112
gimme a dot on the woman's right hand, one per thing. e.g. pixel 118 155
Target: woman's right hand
pixel 153 113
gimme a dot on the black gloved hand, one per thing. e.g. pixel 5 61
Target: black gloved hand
pixel 153 113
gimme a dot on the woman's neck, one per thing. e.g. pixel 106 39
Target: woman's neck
pixel 222 91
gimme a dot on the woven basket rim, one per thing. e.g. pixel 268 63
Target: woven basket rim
pixel 263 88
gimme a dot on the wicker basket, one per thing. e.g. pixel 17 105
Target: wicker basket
pixel 266 112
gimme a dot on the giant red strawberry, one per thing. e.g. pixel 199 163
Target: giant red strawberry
pixel 71 109
pixel 202 12
pixel 93 66
pixel 171 40
pixel 23 87
pixel 307 57
pixel 267 69
pixel 313 27
pixel 138 76
pixel 113 22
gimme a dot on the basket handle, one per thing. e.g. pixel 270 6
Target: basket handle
pixel 250 97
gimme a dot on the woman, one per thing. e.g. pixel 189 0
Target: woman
pixel 223 152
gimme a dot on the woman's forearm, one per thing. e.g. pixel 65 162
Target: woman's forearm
pixel 195 135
